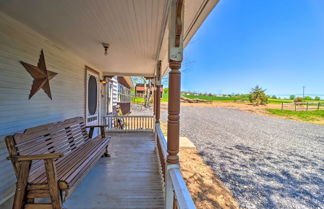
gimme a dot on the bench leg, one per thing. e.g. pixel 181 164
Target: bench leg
pixel 21 185
pixel 52 184
pixel 106 154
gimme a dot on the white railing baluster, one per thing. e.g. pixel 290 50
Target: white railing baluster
pixel 169 192
pixel 175 187
pixel 131 123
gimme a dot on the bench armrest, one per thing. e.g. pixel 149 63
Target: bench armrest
pixel 36 157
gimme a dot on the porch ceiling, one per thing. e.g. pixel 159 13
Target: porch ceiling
pixel 133 28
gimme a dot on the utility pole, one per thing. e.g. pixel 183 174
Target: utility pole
pixel 304 91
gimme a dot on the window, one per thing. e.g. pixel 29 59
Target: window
pixel 124 94
pixel 92 95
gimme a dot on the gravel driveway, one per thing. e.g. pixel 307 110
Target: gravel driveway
pixel 266 162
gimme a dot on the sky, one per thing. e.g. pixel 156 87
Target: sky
pixel 277 44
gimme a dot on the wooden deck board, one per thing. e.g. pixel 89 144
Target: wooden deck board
pixel 128 179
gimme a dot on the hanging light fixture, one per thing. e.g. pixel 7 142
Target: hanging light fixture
pixel 106 47
pixel 103 81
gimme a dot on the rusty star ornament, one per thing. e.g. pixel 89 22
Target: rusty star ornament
pixel 41 76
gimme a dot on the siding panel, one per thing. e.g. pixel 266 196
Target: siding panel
pixel 20 43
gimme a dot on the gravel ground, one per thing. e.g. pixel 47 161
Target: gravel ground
pixel 266 162
pixel 139 109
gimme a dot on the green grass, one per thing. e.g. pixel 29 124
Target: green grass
pixel 277 101
pixel 165 97
pixel 215 98
pixel 140 100
pixel 314 115
pixel 137 100
pixel 243 98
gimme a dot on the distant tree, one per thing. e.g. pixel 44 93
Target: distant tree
pixel 147 92
pixel 257 96
pixel 298 99
pixel 137 80
pixel 308 98
pixel 273 97
pixel 292 97
pixel 317 98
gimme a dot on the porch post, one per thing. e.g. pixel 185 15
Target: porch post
pixel 174 112
pixel 154 99
pixel 157 94
pixel 153 96
pixel 175 59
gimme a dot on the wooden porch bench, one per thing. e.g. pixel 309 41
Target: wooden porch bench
pixel 50 160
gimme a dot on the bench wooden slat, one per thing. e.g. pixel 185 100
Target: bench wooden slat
pixel 47 175
pixel 58 166
pixel 38 206
pixel 69 176
pixel 69 162
pixel 40 193
pixel 37 187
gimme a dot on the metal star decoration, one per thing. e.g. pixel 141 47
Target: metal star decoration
pixel 41 76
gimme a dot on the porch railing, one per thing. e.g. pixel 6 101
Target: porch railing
pixel 177 195
pixel 129 123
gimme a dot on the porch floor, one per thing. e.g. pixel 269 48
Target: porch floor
pixel 128 179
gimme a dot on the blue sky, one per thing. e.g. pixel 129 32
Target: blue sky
pixel 278 44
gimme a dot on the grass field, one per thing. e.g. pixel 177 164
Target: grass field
pixel 215 98
pixel 308 116
pixel 241 99
pixel 140 100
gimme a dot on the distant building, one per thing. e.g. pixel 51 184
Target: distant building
pixel 140 90
pixel 118 91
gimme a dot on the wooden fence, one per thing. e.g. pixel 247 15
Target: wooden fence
pixel 129 123
pixel 302 106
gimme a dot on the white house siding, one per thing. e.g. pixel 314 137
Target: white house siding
pixel 115 90
pixel 20 43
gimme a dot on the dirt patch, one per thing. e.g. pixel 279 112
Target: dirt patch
pixel 207 191
pixel 240 106
pixel 260 110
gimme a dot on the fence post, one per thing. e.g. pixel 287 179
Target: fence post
pixel 295 107
pixel 318 106
pixel 281 106
pixel 307 106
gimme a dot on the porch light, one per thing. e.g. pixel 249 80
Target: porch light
pixel 106 47
pixel 103 81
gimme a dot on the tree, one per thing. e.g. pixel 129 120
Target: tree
pixel 298 99
pixel 292 97
pixel 147 91
pixel 137 80
pixel 317 98
pixel 257 96
pixel 273 97
pixel 166 90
